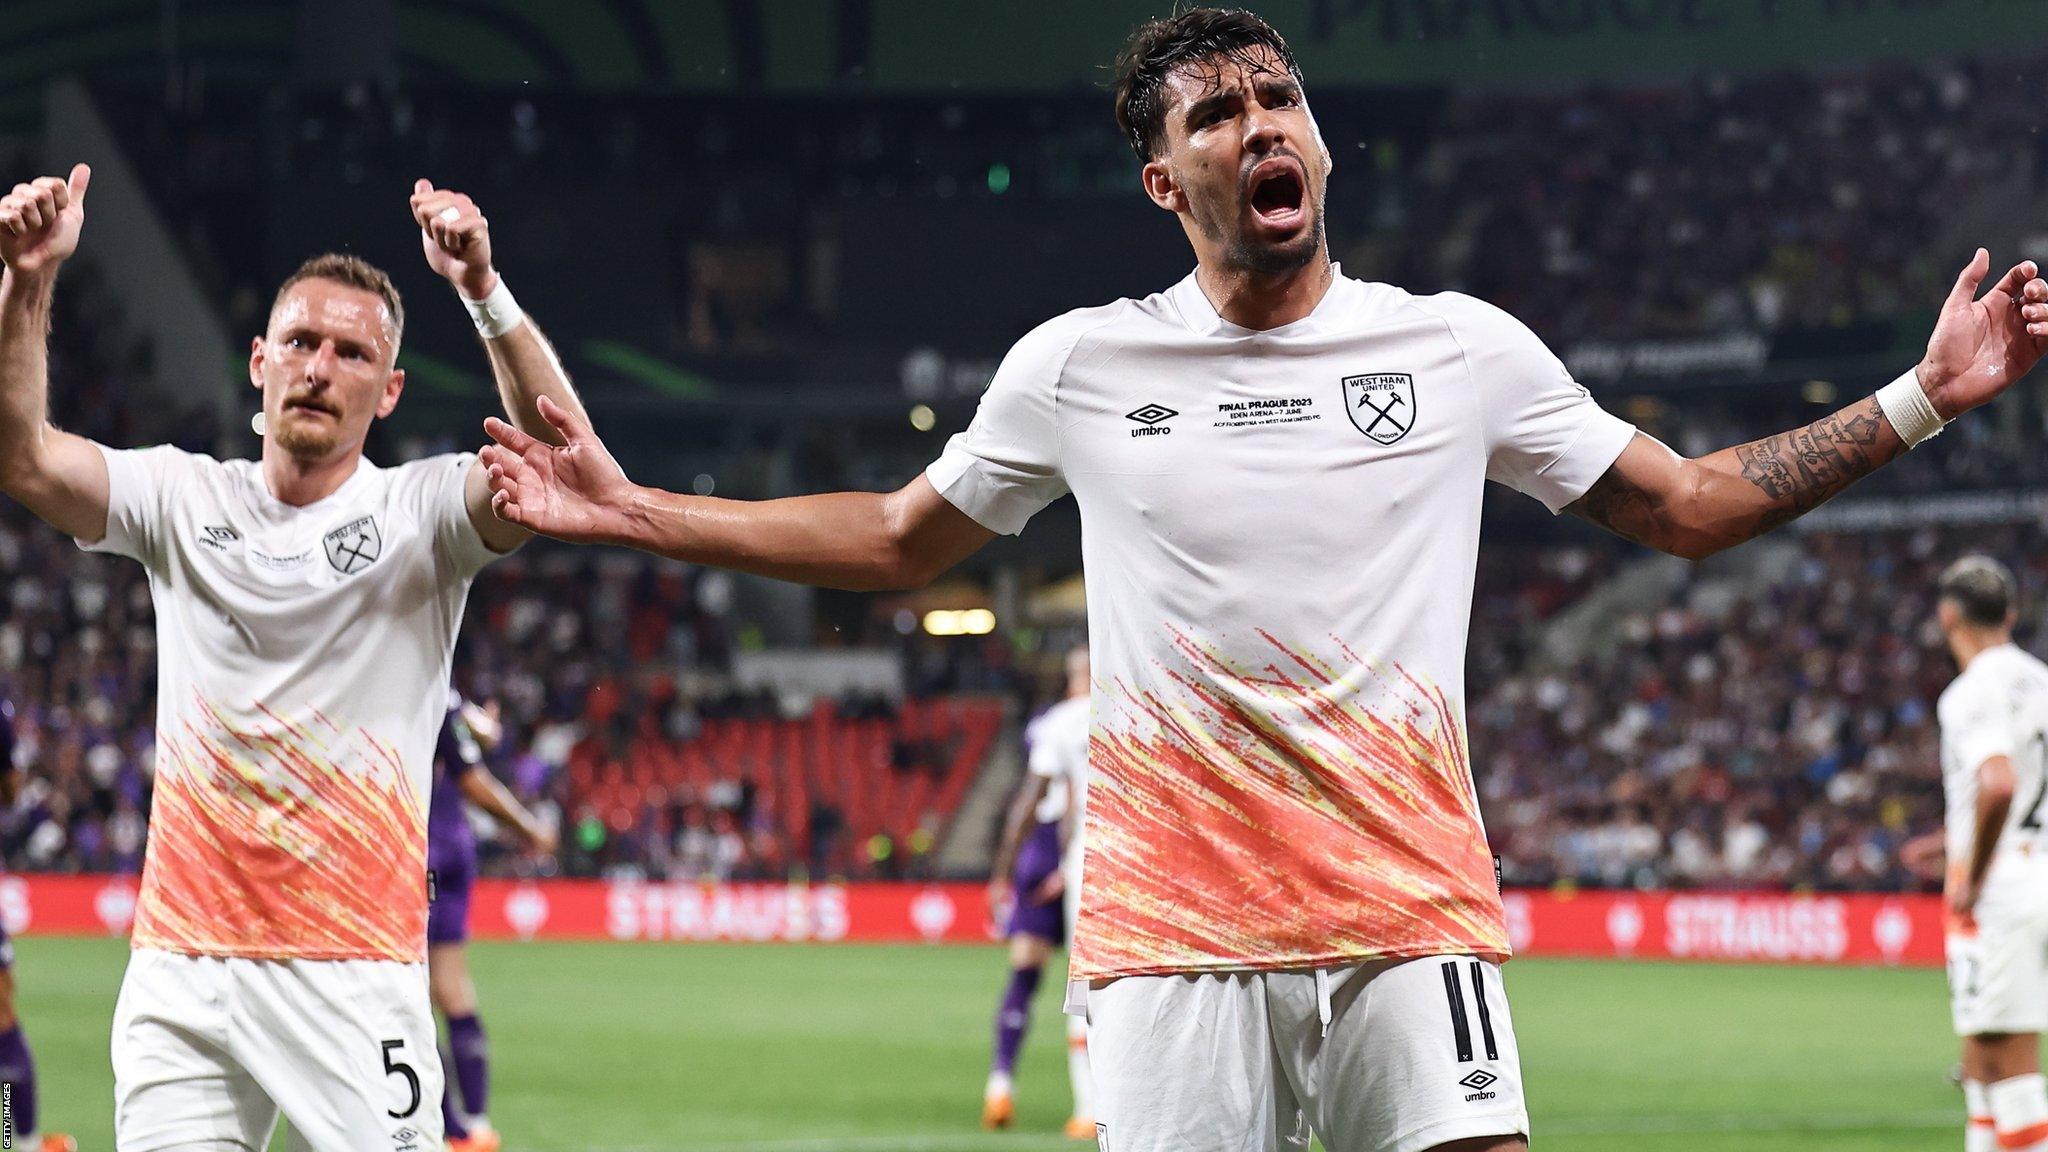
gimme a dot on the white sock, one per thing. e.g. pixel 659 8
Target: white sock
pixel 1978 1133
pixel 998 1085
pixel 2019 1107
pixel 1077 1067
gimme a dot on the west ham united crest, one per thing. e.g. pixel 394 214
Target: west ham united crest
pixel 1381 404
pixel 354 546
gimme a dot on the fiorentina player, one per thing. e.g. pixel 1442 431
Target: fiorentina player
pixel 17 1063
pixel 1037 878
pixel 1994 773
pixel 1289 921
pixel 460 774
pixel 307 605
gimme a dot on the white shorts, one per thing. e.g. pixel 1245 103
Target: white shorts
pixel 210 1051
pixel 1998 975
pixel 1396 1056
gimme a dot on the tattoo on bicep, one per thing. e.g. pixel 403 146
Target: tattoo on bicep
pixel 1618 505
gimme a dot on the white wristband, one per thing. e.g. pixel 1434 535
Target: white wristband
pixel 1912 414
pixel 495 314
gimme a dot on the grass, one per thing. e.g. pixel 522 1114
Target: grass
pixel 796 1048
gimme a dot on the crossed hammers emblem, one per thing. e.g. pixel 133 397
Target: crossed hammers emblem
pixel 350 552
pixel 1380 412
pixel 354 546
pixel 1385 408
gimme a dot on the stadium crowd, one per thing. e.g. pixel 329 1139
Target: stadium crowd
pixel 1787 201
pixel 1776 734
pixel 1758 204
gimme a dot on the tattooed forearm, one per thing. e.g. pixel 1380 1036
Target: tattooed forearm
pixel 1800 470
pixel 1697 507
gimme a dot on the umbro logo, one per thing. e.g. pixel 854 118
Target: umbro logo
pixel 218 536
pixel 1152 416
pixel 1479 1081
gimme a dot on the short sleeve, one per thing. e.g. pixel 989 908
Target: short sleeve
pixel 1972 727
pixel 1005 466
pixel 445 513
pixel 141 484
pixel 1545 434
pixel 1045 754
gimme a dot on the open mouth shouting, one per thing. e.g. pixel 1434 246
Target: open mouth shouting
pixel 1278 195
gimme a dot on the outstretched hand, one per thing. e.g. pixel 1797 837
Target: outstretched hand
pixel 40 221
pixel 574 491
pixel 456 238
pixel 1981 347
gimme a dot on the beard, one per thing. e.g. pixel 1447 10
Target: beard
pixel 1265 259
pixel 303 439
pixel 1220 223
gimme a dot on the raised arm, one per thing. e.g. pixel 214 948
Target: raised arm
pixel 58 476
pixel 456 237
pixel 862 541
pixel 1694 508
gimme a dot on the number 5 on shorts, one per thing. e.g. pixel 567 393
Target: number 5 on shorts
pixel 412 1078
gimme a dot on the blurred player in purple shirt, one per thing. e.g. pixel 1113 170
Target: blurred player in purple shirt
pixel 460 775
pixel 17 1064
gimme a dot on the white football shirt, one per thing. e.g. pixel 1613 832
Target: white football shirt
pixel 303 657
pixel 1052 805
pixel 1059 753
pixel 1280 531
pixel 1998 706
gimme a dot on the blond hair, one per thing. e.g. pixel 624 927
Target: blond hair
pixel 355 272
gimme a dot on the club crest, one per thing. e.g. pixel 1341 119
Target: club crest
pixel 354 546
pixel 1381 404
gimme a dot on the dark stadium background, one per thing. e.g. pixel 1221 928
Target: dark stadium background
pixel 781 245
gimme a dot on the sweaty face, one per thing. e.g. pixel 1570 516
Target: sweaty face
pixel 325 368
pixel 1247 156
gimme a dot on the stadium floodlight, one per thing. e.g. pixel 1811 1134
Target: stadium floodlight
pixel 960 622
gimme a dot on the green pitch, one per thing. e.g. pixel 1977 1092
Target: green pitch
pixel 666 1048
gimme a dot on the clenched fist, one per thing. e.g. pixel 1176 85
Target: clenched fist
pixel 456 238
pixel 40 221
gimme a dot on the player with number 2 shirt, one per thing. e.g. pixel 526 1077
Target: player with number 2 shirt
pixel 1994 774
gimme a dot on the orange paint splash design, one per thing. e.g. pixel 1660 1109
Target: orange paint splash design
pixel 1306 813
pixel 302 841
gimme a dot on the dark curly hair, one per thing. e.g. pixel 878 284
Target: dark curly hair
pixel 1159 47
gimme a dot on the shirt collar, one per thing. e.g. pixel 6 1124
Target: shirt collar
pixel 1201 318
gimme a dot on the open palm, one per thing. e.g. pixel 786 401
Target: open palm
pixel 1981 347
pixel 574 491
